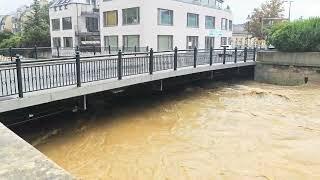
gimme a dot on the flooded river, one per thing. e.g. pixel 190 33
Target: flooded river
pixel 241 130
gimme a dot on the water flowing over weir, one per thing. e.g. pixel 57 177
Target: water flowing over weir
pixel 241 130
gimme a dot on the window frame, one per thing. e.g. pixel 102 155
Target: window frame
pixel 188 24
pixel 159 17
pixel 108 37
pixel 214 22
pixel 158 42
pixel 187 42
pixel 105 18
pixel 125 19
pixel 123 40
pixel 63 25
pixel 52 24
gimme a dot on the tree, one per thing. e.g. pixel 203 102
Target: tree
pixel 13 41
pixel 36 28
pixel 260 21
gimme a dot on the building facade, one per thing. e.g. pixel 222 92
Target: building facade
pixel 164 24
pixel 74 23
pixel 241 38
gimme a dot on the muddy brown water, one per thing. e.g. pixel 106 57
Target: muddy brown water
pixel 242 130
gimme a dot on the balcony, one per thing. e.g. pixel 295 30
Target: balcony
pixel 215 4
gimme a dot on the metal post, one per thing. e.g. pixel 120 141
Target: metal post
pixel 35 52
pixel 78 69
pixel 135 50
pixel 175 59
pixel 58 51
pixel 195 57
pixel 94 50
pixel 147 49
pixel 211 56
pixel 151 62
pixel 11 54
pixel 254 54
pixel 224 55
pixel 245 54
pixel 235 55
pixel 119 65
pixel 109 48
pixel 19 76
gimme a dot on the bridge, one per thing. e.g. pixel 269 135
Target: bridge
pixel 35 82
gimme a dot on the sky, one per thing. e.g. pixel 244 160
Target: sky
pixel 241 8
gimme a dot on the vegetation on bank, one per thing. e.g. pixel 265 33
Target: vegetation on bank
pixel 297 36
pixel 35 31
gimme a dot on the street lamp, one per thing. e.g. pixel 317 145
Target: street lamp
pixel 290 2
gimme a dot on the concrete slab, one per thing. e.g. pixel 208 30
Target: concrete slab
pixel 20 161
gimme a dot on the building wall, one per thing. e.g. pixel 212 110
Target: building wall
pixel 148 29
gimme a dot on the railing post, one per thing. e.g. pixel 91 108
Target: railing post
pixel 94 50
pixel 175 59
pixel 19 76
pixel 119 65
pixel 235 55
pixel 36 52
pixel 135 50
pixel 245 54
pixel 58 53
pixel 254 54
pixel 109 49
pixel 211 56
pixel 10 54
pixel 224 55
pixel 147 48
pixel 151 62
pixel 78 69
pixel 195 57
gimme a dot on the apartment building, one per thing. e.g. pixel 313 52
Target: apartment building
pixel 74 23
pixel 163 24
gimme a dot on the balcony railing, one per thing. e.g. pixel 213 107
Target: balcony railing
pixel 206 3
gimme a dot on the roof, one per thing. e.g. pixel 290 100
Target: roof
pixel 66 2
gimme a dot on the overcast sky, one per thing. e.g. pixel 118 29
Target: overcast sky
pixel 241 8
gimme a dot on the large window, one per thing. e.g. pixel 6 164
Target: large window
pixel 224 41
pixel 68 42
pixel 230 25
pixel 66 23
pixel 131 16
pixel 92 24
pixel 193 20
pixel 111 41
pixel 165 17
pixel 56 42
pixel 209 42
pixel 192 42
pixel 210 22
pixel 131 41
pixel 165 43
pixel 110 18
pixel 224 24
pixel 55 24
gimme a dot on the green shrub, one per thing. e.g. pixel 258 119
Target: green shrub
pixel 298 36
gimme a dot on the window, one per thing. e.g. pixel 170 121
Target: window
pixel 55 24
pixel 165 43
pixel 224 41
pixel 111 41
pixel 224 24
pixel 192 20
pixel 131 16
pixel 56 42
pixel 230 25
pixel 230 41
pixel 209 42
pixel 110 18
pixel 131 41
pixel 165 17
pixel 192 42
pixel 92 24
pixel 67 42
pixel 210 22
pixel 66 23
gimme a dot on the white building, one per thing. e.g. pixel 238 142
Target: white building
pixel 74 23
pixel 163 24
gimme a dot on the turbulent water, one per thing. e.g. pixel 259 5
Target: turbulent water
pixel 241 130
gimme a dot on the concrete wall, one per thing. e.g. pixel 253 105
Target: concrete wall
pixel 148 29
pixel 288 68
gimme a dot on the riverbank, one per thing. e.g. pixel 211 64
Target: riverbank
pixel 242 130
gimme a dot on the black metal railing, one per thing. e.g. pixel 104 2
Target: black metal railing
pixel 19 77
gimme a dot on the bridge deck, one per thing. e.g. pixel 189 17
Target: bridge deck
pixel 49 81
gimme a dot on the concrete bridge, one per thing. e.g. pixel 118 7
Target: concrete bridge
pixel 30 83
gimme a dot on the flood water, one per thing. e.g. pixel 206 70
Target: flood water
pixel 239 130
